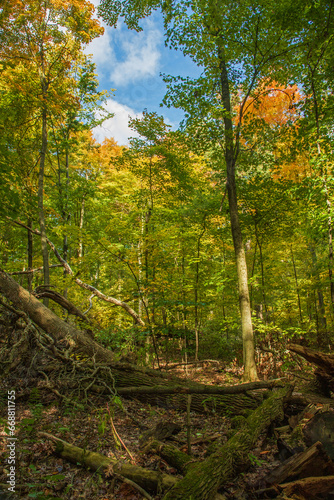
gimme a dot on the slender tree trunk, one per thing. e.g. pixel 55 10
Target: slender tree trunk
pixel 322 334
pixel 252 274
pixel 325 189
pixel 45 252
pixel 250 372
pixel 66 215
pixel 81 223
pixel 297 286
pixel 196 291
pixel 262 274
pixel 30 256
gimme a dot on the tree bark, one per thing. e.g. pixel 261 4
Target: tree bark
pixel 30 256
pixel 250 372
pixel 45 252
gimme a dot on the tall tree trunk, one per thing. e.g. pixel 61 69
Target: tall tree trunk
pixel 66 215
pixel 297 286
pixel 196 291
pixel 45 252
pixel 30 256
pixel 322 335
pixel 250 372
pixel 262 274
pixel 81 223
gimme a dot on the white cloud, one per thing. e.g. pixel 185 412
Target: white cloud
pixel 125 56
pixel 141 55
pixel 116 127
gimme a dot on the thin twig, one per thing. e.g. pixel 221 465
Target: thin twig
pixel 118 436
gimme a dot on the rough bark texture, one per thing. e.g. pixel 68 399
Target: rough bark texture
pixel 309 487
pixel 40 292
pixel 149 480
pixel 324 361
pixel 203 480
pixel 325 368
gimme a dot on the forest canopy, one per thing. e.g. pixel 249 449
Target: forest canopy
pixel 212 240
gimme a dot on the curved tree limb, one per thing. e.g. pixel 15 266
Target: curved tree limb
pixel 61 300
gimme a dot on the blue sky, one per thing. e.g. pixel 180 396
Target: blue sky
pixel 131 63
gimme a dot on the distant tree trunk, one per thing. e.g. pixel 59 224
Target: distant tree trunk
pixel 45 252
pixel 250 372
pixel 30 256
pixel 196 290
pixel 81 223
pixel 252 274
pixel 66 215
pixel 262 274
pixel 322 335
pixel 297 286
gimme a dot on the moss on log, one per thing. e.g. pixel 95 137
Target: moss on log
pixel 149 480
pixel 203 480
pixel 172 455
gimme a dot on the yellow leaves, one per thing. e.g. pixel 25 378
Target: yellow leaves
pixel 295 170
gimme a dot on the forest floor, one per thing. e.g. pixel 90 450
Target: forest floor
pixel 40 474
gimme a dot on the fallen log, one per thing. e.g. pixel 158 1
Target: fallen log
pixel 203 480
pixel 125 375
pixel 312 462
pixel 324 373
pixel 201 389
pixel 149 480
pixel 324 361
pixel 49 321
pixel 171 454
pixel 309 487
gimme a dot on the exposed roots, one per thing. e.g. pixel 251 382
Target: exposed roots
pixel 30 353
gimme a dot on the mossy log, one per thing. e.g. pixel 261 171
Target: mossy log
pixel 171 454
pixel 149 480
pixel 203 480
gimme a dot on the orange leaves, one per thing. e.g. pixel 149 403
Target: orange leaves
pixel 274 104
